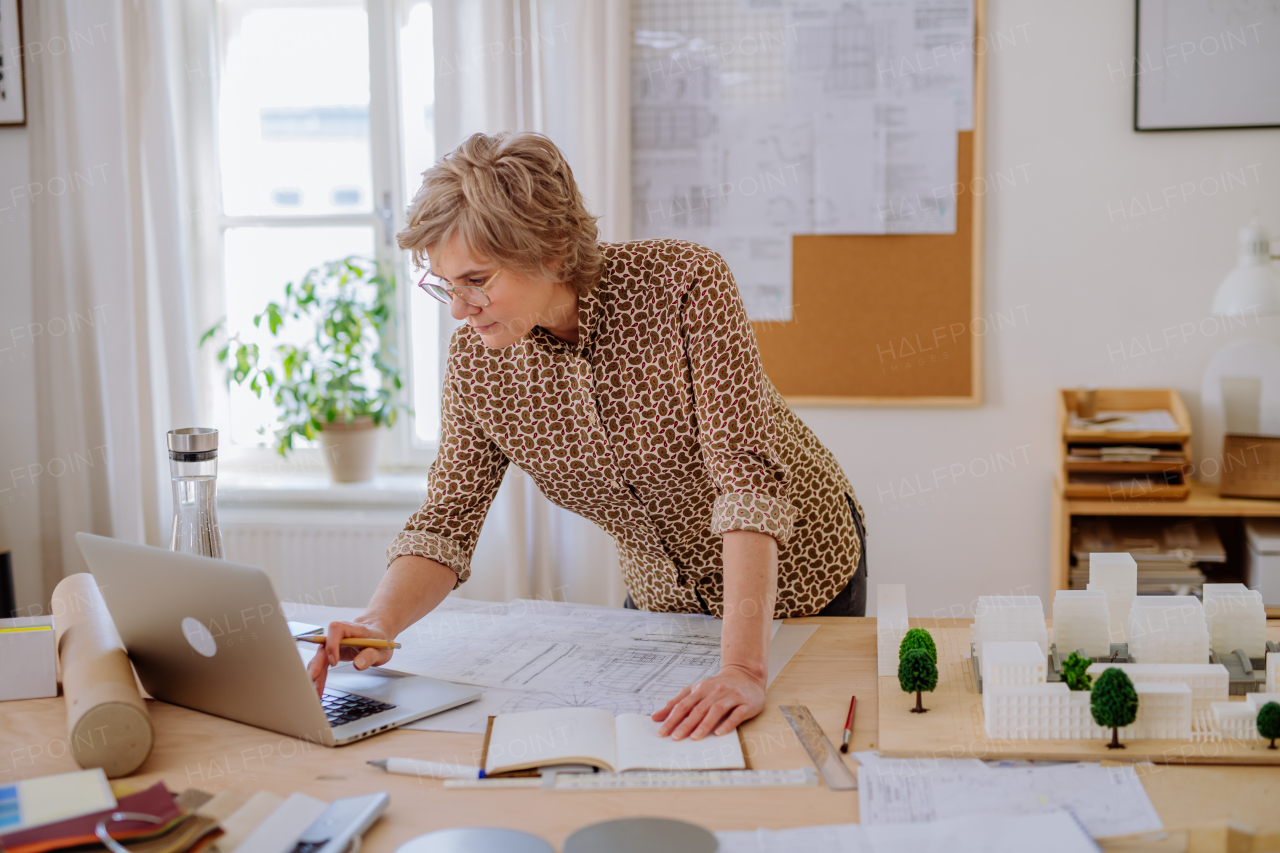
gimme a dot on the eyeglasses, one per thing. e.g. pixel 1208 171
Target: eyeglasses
pixel 468 293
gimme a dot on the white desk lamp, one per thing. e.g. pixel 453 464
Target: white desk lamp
pixel 1253 287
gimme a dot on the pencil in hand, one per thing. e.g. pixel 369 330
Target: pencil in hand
pixel 355 642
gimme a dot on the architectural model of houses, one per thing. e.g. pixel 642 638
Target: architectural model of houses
pixel 1208 682
pixel 1033 711
pixel 1239 720
pixel 1081 620
pixel 1237 619
pixel 1168 629
pixel 1009 618
pixel 891 625
pixel 1116 575
pixel 1180 694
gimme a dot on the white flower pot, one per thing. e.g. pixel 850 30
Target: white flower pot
pixel 350 450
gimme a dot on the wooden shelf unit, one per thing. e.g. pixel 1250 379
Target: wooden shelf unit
pixel 1124 400
pixel 1203 501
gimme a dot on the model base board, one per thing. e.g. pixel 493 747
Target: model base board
pixel 954 726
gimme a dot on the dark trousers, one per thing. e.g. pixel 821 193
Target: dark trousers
pixel 850 601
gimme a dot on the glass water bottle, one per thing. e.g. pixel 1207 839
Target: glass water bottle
pixel 193 465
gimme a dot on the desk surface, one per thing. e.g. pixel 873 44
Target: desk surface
pixel 197 750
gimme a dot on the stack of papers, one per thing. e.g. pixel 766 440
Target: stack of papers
pixel 1171 553
pixel 1146 420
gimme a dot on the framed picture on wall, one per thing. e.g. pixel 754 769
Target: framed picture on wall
pixel 13 102
pixel 1206 65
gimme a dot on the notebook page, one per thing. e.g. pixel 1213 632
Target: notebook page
pixel 551 736
pixel 640 748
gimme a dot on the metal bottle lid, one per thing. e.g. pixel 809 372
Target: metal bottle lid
pixel 193 444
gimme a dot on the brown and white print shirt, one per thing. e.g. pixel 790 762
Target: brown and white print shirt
pixel 659 426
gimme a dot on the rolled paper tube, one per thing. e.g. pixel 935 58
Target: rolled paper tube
pixel 107 721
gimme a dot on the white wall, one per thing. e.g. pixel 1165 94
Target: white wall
pixel 18 503
pixel 1081 277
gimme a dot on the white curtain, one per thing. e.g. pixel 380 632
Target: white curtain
pixel 559 67
pixel 114 362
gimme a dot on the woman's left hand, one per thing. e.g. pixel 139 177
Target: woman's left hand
pixel 718 703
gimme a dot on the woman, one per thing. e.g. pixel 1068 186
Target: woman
pixel 625 380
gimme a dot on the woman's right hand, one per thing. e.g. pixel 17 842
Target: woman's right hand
pixel 331 653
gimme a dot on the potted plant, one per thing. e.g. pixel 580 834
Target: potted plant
pixel 334 374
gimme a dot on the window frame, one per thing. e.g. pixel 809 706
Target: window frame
pixel 400 449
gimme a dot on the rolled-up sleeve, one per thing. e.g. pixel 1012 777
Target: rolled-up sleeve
pixel 463 481
pixel 736 427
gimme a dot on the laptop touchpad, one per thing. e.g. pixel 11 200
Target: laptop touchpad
pixel 372 683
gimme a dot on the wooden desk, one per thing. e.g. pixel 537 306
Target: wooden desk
pixel 196 750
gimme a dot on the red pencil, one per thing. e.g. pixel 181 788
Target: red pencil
pixel 848 725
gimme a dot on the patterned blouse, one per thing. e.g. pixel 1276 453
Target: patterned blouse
pixel 659 426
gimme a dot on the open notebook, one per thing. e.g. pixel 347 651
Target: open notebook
pixel 592 736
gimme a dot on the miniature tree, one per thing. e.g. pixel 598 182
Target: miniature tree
pixel 916 673
pixel 1074 672
pixel 1269 722
pixel 1114 703
pixel 918 638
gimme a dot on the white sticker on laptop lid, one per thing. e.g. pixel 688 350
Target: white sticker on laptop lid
pixel 199 637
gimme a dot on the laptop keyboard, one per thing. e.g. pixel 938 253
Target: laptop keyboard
pixel 343 708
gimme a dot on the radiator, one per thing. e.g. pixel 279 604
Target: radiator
pixel 314 556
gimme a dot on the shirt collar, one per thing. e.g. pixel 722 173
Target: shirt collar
pixel 589 311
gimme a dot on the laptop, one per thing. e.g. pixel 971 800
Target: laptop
pixel 210 635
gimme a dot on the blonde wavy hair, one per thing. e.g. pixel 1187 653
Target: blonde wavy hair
pixel 513 199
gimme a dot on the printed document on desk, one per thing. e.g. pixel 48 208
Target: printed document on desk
pixel 1107 801
pixel 1056 832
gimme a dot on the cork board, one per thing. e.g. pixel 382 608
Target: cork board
pixel 890 320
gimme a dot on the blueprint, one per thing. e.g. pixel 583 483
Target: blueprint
pixel 557 647
pixel 531 655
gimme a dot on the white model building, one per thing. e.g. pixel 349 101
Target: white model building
pixel 1239 720
pixel 1257 700
pixel 1015 663
pixel 1037 712
pixel 1009 618
pixel 1237 619
pixel 1208 682
pixel 1235 720
pixel 1081 620
pixel 1055 712
pixel 1168 629
pixel 1164 711
pixel 1115 574
pixel 891 625
pixel 1273 672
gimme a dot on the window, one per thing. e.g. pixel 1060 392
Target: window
pixel 316 142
